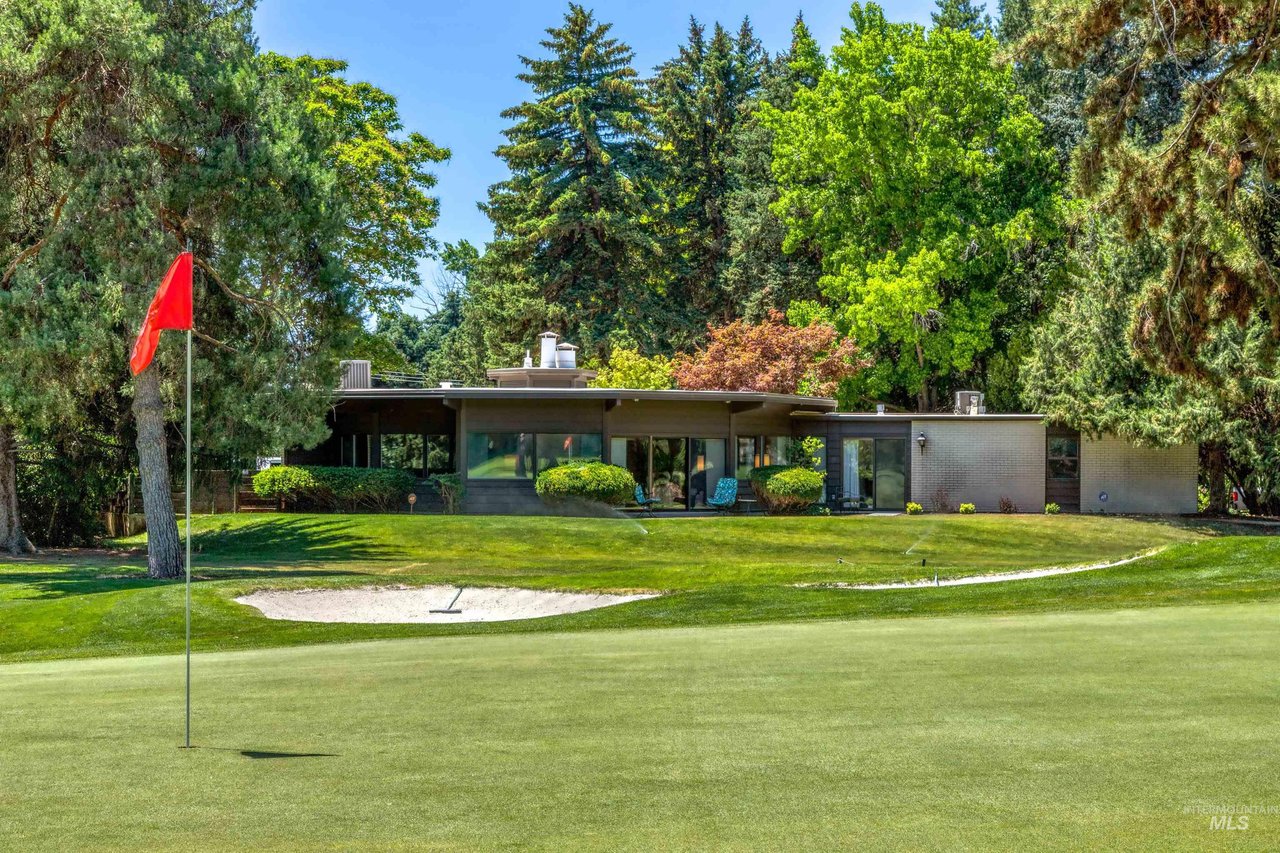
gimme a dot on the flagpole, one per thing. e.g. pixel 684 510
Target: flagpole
pixel 188 492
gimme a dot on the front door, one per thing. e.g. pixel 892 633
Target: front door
pixel 1062 468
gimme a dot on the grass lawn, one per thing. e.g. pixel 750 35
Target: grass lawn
pixel 1094 730
pixel 717 571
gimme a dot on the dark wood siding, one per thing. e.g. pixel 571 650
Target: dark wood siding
pixel 833 432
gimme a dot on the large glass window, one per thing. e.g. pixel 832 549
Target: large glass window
pixel 1064 458
pixel 557 448
pixel 669 471
pixel 891 473
pixel 632 454
pixel 439 451
pixel 707 467
pixel 356 450
pixel 500 455
pixel 748 456
pixel 859 473
pixel 775 450
pixel 402 450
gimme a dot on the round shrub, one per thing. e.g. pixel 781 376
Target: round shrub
pixel 967 509
pixel 592 481
pixel 1052 509
pixel 914 508
pixel 782 490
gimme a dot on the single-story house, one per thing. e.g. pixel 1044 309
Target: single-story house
pixel 678 444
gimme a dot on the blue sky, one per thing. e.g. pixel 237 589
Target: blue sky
pixel 453 65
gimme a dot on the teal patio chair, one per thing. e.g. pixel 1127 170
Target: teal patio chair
pixel 646 504
pixel 726 496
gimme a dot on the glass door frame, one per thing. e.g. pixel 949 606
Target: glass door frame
pixel 689 471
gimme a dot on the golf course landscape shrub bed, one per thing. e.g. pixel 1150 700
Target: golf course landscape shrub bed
pixel 784 490
pixel 592 481
pixel 334 489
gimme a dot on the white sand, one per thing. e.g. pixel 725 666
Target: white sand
pixel 996 578
pixel 384 604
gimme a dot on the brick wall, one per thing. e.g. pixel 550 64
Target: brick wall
pixel 1137 479
pixel 978 461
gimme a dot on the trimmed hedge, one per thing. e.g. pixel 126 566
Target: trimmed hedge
pixel 782 489
pixel 341 489
pixel 593 481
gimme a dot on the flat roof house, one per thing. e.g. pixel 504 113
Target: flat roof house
pixel 678 444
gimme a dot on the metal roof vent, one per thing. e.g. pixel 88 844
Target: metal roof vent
pixel 566 356
pixel 547 349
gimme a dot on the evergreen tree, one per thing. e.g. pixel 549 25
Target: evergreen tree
pixel 759 276
pixel 700 99
pixel 963 15
pixel 575 221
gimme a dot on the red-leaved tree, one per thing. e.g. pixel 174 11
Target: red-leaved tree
pixel 770 356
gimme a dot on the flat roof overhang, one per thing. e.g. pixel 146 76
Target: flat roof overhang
pixel 814 404
pixel 916 416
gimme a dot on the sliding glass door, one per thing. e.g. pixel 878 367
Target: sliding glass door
pixel 873 473
pixel 707 466
pixel 679 472
pixel 670 471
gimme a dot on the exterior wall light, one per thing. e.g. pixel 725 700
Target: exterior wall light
pixel 921 440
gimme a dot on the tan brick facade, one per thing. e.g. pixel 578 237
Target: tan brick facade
pixel 979 461
pixel 1137 479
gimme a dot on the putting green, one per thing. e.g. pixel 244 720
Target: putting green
pixel 1082 730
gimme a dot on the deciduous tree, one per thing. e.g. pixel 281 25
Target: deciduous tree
pixel 916 168
pixel 770 356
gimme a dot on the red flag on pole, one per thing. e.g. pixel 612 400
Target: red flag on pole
pixel 170 309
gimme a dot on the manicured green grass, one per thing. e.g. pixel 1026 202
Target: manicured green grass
pixel 1035 731
pixel 716 571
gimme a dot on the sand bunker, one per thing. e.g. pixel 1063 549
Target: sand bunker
pixel 993 578
pixel 386 604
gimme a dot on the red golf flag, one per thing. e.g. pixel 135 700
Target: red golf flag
pixel 170 309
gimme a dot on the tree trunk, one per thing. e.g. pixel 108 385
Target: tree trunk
pixel 164 550
pixel 12 539
pixel 1215 463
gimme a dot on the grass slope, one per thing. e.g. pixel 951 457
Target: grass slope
pixel 1041 731
pixel 718 570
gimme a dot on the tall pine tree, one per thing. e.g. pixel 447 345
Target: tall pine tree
pixel 758 275
pixel 700 98
pixel 575 221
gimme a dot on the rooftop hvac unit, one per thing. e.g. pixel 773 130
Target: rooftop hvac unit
pixel 356 374
pixel 970 403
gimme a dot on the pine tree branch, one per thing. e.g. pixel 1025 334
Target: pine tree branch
pixel 34 248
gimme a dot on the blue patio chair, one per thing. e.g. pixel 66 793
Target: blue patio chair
pixel 726 496
pixel 646 504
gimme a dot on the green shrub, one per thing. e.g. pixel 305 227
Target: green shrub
pixel 593 481
pixel 344 489
pixel 452 489
pixel 914 508
pixel 287 483
pixel 783 490
pixel 1052 509
pixel 967 509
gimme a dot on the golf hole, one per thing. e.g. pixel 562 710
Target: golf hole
pixel 426 604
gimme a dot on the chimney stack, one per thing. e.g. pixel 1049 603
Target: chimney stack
pixel 547 349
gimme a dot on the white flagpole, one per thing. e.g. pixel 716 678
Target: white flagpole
pixel 188 490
